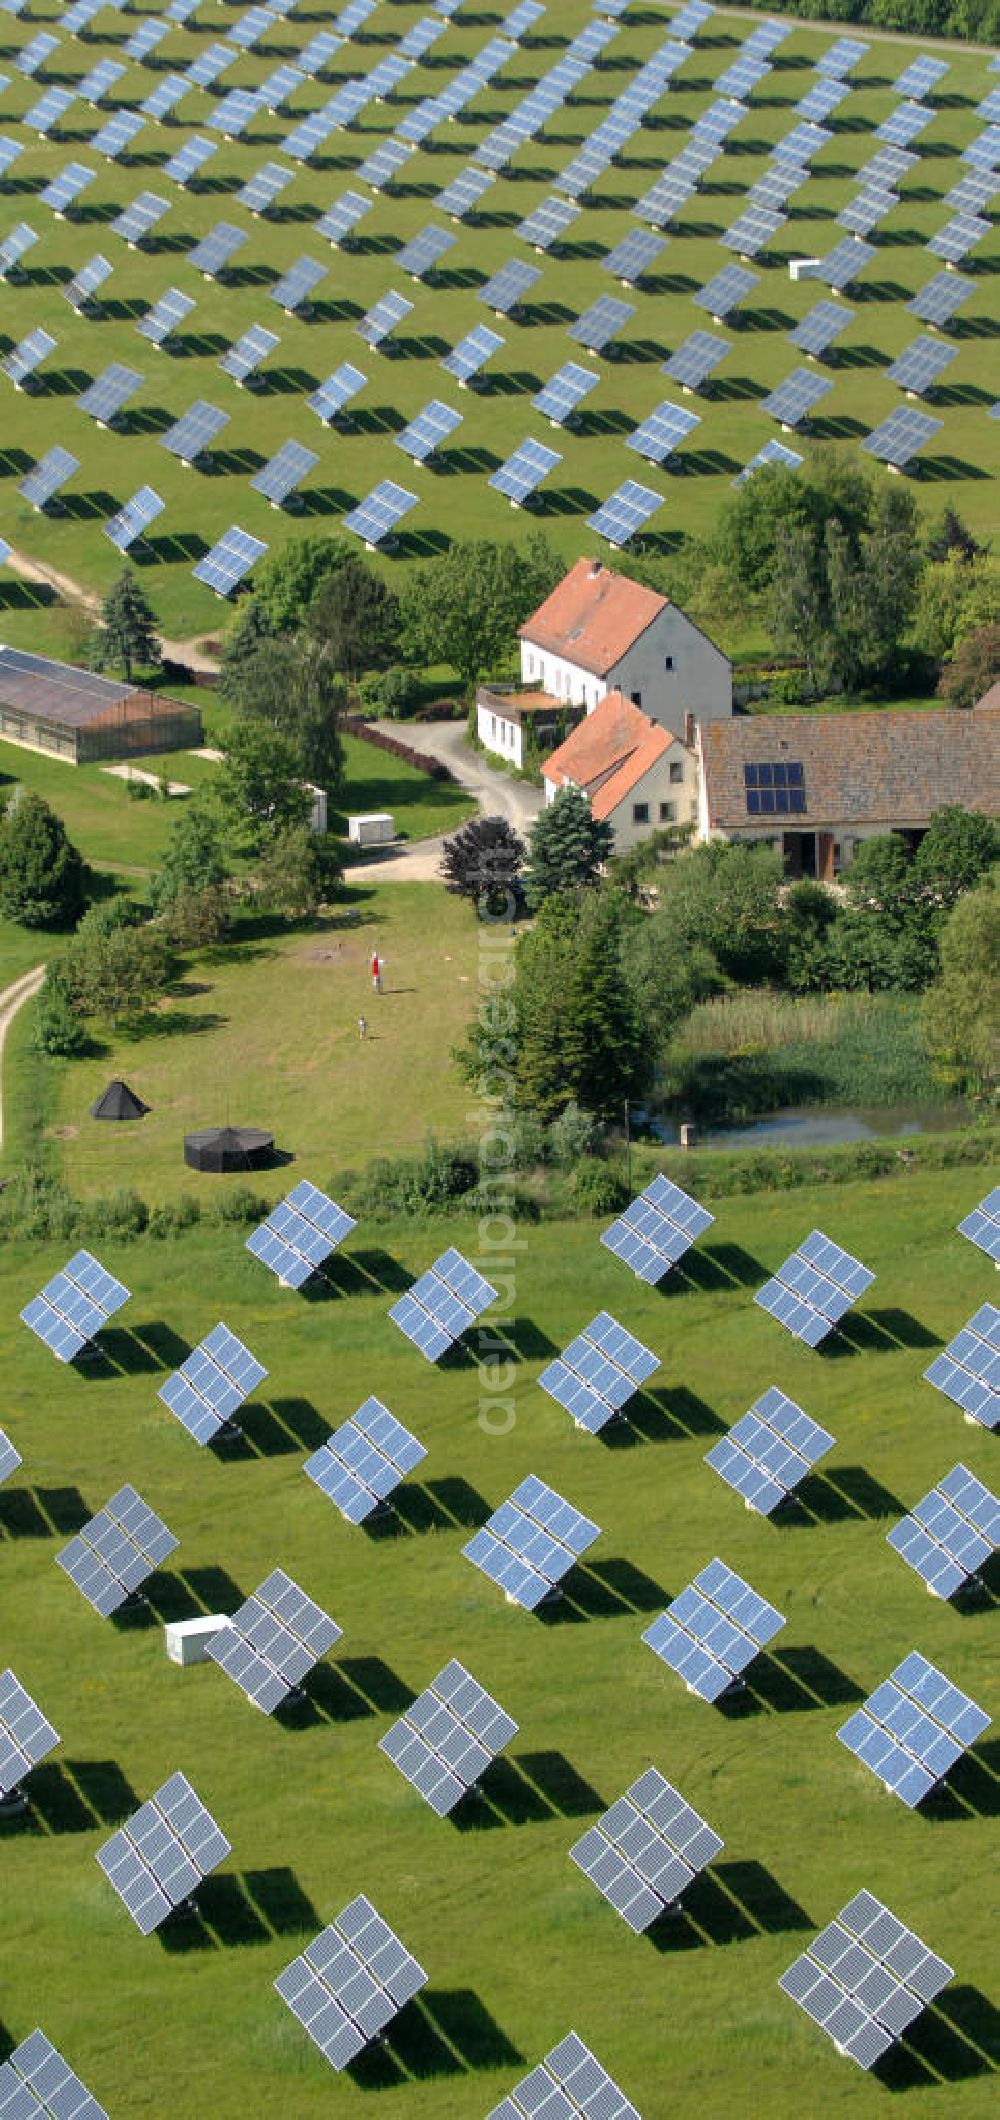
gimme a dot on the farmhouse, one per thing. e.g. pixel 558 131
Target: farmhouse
pixel 78 716
pixel 815 785
pixel 600 632
pixel 636 774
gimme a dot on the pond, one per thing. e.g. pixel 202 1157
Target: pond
pixel 817 1126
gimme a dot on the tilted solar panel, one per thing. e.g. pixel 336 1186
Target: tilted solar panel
pixel 350 1982
pixel 216 250
pixel 598 1373
pixel 383 317
pixel 448 1738
pixel 982 1225
pixel 968 1372
pixel 244 358
pixel 360 1465
pixel 332 396
pixel 773 452
pixel 531 1542
pixel 815 1288
pixel 472 353
pixel 694 362
pixel 794 399
pixel 27 355
pixel 162 1853
pixel 913 1729
pixel 864 1979
pixel 920 364
pixel 662 431
pixel 271 1643
pixel 375 518
pixel 824 323
pixel 644 1852
pixel 211 1384
pixel 40 486
pixel 624 512
pixel 523 471
pixel 116 1550
pixel 560 396
pixel 193 433
pixel 74 1305
pixel 725 290
pixel 634 255
pixel 506 289
pixel 342 217
pixel 283 472
pixel 950 1534
pixel 160 322
pixel 897 439
pixel 26 1736
pixel 713 1631
pixel 940 299
pixel 109 392
pixel 134 519
pixel 769 1451
pixel 299 1234
pixel 423 436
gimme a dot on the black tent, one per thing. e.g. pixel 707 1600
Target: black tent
pixel 222 1148
pixel 118 1101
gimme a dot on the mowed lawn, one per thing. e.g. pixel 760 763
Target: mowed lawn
pixel 517 1944
pixel 266 1034
pixel 453 494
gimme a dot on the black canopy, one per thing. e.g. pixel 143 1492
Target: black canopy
pixel 118 1101
pixel 228 1148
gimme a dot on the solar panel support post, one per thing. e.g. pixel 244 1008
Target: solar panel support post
pixel 14 1803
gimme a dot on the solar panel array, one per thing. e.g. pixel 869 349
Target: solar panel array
pixel 350 1983
pixel 26 1736
pixel 37 2084
pixel 116 1551
pixel 949 1535
pixel 285 470
pixel 518 478
pixel 376 518
pixel 212 1384
pixel 625 511
pixel 713 1631
pixel 28 355
pixel 72 1307
pixel 769 1451
pixel 43 483
pixel 299 1234
pixel 162 1853
pixel 865 1978
pixel 656 1229
pixel 448 1738
pixel 814 1288
pixel 913 1728
pixel 645 1851
pixel 660 433
pixel 982 1225
pixel 969 1369
pixel 131 522
pixel 598 1373
pixel 232 556
pixel 270 1644
pixel 360 1465
pixel 531 1542
pixel 442 1304
pixel 794 399
pixel 422 437
pixel 10 1458
pixel 244 357
pixel 570 2084
pixel 897 439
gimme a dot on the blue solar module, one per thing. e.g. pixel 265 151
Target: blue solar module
pixel 845 262
pixel 285 470
pixel 864 213
pixel 116 134
pixel 601 323
pixel 958 237
pixel 560 396
pixel 299 1234
pixel 913 1728
pixel 342 217
pixel 939 300
pixel 634 255
pixel 161 100
pixel 193 433
pixel 375 518
pixel 384 163
pixel 350 1982
pixel 420 256
pixel 547 222
pixel 206 67
pixel 132 521
pixel 25 1738
pixel 295 286
pixel 841 58
pixel 14 247
pixel 442 1304
pixel 72 1307
pixel 216 249
pixel 364 1461
pixel 773 452
pixel 109 392
pixel 272 1641
pixel 691 19
pixel 34 54
pixel 693 362
pixel 657 1229
pixel 802 143
pixel 814 1289
pixel 36 2082
pixel 27 355
pixel 279 88
pixel 921 74
pixel 116 1550
pixel 10 1458
pixel 713 1631
pixel 950 1534
pixel 65 189
pixel 506 289
pixel 330 399
pixel 160 1855
pixel 597 1374
pixel 472 353
pixel 231 557
pixel 864 1979
pixel 523 471
pixel 644 1852
pixel 740 78
pixel 795 398
pixel 982 1225
pixel 666 198
pixel 145 39
pixel 625 511
pixel 531 1542
pixel 904 124
pixel 661 432
pixel 769 1451
pixel 244 358
pixel 464 191
pixel 969 1369
pixel 821 101
pixel 9 151
pixel 824 323
pixel 448 1738
pixel 777 186
pixel 383 317
pixel 898 438
pixel 193 156
pixel 53 469
pixel 920 364
pixel 753 230
pixel 211 1384
pixel 422 437
pixel 238 110
pixel 725 290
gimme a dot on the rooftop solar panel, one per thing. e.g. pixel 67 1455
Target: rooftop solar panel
pixel 72 1307
pixel 193 156
pixel 26 1737
pixel 864 1979
pixel 796 397
pixel 132 521
pixel 968 1371
pixel 160 1855
pixel 217 249
pixel 382 318
pixel 420 256
pixel 598 1373
pixel 116 1551
pixel 423 436
pixel 212 1383
pixel 949 1535
pixel 815 1288
pixel 35 2082
pixel 941 298
pixel 363 1463
pixel 920 364
pixel 625 511
pixel 300 1234
pixel 343 217
pixel 913 1729
pixel 447 1739
pixel 713 1631
pixel 773 452
pixel 472 353
pixel 376 517
pixel 523 471
pixel 824 323
pixel 505 290
pixel 530 1543
pixel 27 355
pixel 332 396
pixel 662 431
pixel 695 360
pixel 192 435
pixel 271 1643
pixel 897 439
pixel 644 1852
pixel 982 1225
pixel 349 1984
pixel 845 262
pixel 283 472
pixel 766 1455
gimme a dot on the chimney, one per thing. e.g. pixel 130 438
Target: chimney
pixel 595 568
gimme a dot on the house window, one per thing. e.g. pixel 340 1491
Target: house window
pixel 637 699
pixel 676 771
pixel 640 813
pixel 668 812
pixel 493 727
pixel 668 662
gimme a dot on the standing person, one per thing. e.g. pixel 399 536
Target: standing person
pixel 362 1027
pixel 376 972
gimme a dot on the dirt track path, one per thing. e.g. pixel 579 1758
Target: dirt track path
pixel 191 652
pixel 12 998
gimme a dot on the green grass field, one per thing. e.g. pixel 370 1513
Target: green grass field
pixel 518 1946
pixel 959 464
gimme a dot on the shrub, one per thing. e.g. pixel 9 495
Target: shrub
pixel 393 692
pixel 572 1137
pixel 598 1188
pixel 240 1204
pixel 118 1214
pixel 173 1216
pixel 57 1030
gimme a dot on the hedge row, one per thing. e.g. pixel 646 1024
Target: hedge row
pixel 434 768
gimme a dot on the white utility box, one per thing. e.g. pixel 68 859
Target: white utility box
pixel 374 830
pixel 803 268
pixel 187 1640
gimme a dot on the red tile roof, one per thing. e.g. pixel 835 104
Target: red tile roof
pixel 593 617
pixel 609 753
pixel 883 768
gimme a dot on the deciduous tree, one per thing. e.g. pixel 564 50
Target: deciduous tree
pixel 258 788
pixel 464 609
pixel 962 1008
pixel 483 861
pixel 287 580
pixel 356 617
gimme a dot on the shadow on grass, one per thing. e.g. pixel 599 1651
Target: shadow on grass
pixel 171 1595
pixel 956 2040
pixel 972 1789
pixel 795 1682
pixel 442 2032
pixel 42 1512
pixel 357 1273
pixel 268 1429
pixel 603 1590
pixel 733 1902
pixel 671 1414
pixel 878 1332
pixel 449 1504
pixel 233 1909
pixel 521 1337
pixel 347 1691
pixel 76 1796
pixel 530 1790
pixel 838 1497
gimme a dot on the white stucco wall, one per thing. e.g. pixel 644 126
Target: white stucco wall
pixel 673 668
pixel 498 734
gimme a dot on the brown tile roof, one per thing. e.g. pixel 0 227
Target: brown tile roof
pixel 880 768
pixel 609 753
pixel 592 617
pixel 511 705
